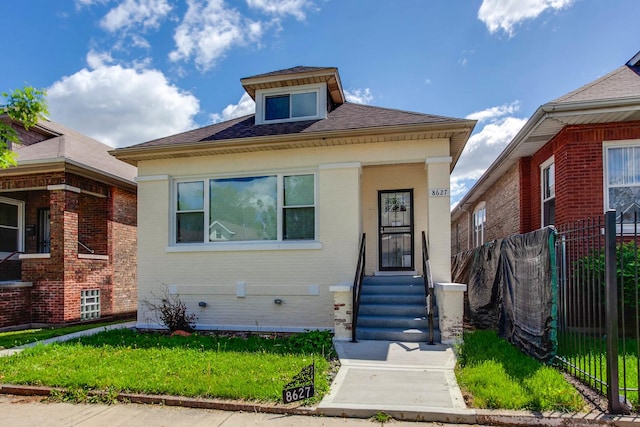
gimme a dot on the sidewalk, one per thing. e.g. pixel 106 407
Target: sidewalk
pixel 405 380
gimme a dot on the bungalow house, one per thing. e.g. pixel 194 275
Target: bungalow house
pixel 67 230
pixel 256 222
pixel 575 158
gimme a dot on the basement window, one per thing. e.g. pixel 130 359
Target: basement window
pixel 90 304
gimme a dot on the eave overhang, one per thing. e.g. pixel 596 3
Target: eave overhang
pixel 457 132
pixel 63 164
pixel 329 76
pixel 547 121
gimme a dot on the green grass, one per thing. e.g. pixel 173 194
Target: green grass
pixel 26 336
pixel 197 366
pixel 499 376
pixel 589 353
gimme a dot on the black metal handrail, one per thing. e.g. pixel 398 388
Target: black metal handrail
pixel 428 284
pixel 357 285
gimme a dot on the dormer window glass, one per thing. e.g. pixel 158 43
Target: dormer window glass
pixel 294 103
pixel 279 107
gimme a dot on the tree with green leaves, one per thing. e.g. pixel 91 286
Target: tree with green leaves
pixel 25 106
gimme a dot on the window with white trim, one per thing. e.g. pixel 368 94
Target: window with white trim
pixel 479 224
pixel 89 304
pixel 622 180
pixel 307 102
pixel 548 192
pixel 245 209
pixel 11 225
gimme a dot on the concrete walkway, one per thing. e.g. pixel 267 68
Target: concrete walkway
pixel 405 380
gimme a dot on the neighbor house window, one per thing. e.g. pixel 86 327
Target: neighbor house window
pixel 240 209
pixel 622 181
pixel 89 304
pixel 548 184
pixel 11 225
pixel 479 224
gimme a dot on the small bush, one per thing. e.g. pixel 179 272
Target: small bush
pixel 172 313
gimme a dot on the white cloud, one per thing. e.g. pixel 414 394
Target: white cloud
pixel 505 14
pixel 129 13
pixel 359 96
pixel 295 8
pixel 483 147
pixel 495 112
pixel 208 30
pixel 120 106
pixel 245 106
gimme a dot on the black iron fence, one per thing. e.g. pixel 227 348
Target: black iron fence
pixel 597 283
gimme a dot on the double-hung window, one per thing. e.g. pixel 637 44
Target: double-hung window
pixel 548 187
pixel 11 225
pixel 479 224
pixel 622 180
pixel 245 209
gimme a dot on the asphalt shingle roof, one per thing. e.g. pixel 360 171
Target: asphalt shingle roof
pixel 624 82
pixel 343 118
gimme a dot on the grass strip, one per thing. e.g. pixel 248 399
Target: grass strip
pixel 499 376
pixel 196 366
pixel 26 336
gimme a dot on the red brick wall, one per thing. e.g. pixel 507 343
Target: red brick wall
pixel 105 224
pixel 15 306
pixel 578 156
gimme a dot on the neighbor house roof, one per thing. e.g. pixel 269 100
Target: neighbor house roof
pixel 71 150
pixel 346 123
pixel 614 97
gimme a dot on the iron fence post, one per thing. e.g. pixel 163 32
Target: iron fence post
pixel 611 312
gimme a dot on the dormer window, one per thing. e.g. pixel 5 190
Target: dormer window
pixel 291 103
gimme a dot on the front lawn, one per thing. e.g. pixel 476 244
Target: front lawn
pixel 496 375
pixel 26 336
pixel 251 368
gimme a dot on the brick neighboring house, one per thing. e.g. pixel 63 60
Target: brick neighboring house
pixel 575 158
pixel 67 230
pixel 255 222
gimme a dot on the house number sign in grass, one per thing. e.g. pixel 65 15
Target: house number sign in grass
pixel 301 387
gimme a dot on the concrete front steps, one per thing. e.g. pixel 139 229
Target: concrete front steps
pixel 392 308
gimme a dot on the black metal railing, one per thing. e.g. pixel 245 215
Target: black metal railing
pixel 598 266
pixel 428 285
pixel 357 286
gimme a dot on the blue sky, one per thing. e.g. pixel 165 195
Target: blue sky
pixel 127 71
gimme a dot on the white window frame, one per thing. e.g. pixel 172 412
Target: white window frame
pixel 550 162
pixel 478 233
pixel 20 227
pixel 216 245
pixel 606 145
pixel 321 102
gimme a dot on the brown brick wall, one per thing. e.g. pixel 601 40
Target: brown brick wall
pixel 106 224
pixel 15 306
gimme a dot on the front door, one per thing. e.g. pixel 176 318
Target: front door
pixel 395 219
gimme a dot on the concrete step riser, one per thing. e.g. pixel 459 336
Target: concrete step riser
pixel 392 322
pixel 396 335
pixel 392 299
pixel 392 310
pixel 397 290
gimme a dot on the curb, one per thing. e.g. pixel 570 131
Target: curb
pixel 473 416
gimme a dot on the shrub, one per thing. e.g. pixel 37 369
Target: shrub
pixel 172 313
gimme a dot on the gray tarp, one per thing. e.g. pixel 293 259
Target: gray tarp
pixel 511 289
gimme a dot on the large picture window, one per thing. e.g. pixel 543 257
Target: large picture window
pixel 622 181
pixel 245 209
pixel 11 225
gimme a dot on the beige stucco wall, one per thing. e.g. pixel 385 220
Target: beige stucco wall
pixel 300 278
